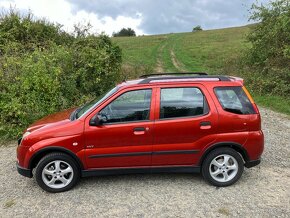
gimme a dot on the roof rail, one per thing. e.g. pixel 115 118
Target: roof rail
pixel 175 74
pixel 148 80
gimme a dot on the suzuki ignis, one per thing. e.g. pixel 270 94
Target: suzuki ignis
pixel 173 123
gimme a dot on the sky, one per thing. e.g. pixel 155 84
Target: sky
pixel 144 16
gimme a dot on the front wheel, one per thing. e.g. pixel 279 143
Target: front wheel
pixel 57 172
pixel 223 167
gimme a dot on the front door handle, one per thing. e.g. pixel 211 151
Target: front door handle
pixel 205 125
pixel 139 131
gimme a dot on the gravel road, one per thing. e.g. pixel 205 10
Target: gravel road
pixel 263 191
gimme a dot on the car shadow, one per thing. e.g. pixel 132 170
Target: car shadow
pixel 155 178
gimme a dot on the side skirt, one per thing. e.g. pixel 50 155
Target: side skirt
pixel 120 171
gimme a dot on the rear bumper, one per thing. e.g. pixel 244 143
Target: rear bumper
pixel 252 163
pixel 23 171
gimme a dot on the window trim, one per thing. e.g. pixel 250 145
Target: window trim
pixel 133 121
pixel 127 122
pixel 183 117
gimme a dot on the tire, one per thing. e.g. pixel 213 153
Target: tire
pixel 57 172
pixel 223 167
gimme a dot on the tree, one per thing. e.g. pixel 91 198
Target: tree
pixel 270 37
pixel 125 32
pixel 267 60
pixel 197 28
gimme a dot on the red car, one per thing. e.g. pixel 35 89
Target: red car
pixel 158 123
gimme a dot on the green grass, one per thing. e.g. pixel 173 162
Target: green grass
pixel 140 50
pixel 276 103
pixel 199 51
pixel 211 51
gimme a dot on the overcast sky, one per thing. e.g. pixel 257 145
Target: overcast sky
pixel 144 16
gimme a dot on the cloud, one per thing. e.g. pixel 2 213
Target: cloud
pixel 164 16
pixel 64 13
pixel 144 16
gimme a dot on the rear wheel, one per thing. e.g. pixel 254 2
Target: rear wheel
pixel 57 172
pixel 223 167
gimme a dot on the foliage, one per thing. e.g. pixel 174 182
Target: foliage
pixel 268 59
pixel 197 28
pixel 44 70
pixel 28 32
pixel 125 32
pixel 270 38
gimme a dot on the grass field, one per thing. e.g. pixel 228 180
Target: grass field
pixel 200 51
pixel 211 51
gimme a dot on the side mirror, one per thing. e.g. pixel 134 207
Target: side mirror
pixel 97 120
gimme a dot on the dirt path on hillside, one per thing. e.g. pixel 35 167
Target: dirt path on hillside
pixel 179 66
pixel 159 66
pixel 262 191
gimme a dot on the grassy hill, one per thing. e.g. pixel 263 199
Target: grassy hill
pixel 200 51
pixel 212 51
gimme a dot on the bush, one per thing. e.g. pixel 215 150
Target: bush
pixel 197 28
pixel 125 32
pixel 46 70
pixel 29 32
pixel 270 37
pixel 266 64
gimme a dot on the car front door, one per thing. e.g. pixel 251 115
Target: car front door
pixel 125 139
pixel 186 122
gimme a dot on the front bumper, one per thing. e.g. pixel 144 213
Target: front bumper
pixel 23 171
pixel 252 163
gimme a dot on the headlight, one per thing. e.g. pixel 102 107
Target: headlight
pixel 24 135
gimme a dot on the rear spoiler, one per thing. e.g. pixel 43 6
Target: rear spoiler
pixel 237 79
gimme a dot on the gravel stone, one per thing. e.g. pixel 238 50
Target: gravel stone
pixel 262 191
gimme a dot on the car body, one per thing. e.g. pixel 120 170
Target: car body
pixel 158 123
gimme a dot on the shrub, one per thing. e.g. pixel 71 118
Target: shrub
pixel 270 37
pixel 266 64
pixel 125 32
pixel 46 70
pixel 197 28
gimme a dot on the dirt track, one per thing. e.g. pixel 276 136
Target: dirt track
pixel 263 191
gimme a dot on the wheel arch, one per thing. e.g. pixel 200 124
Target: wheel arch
pixel 34 160
pixel 237 147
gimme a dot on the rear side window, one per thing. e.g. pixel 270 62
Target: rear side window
pixel 234 100
pixel 182 102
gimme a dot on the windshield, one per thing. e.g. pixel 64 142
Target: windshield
pixel 86 107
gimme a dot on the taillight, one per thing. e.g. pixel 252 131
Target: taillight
pixel 251 100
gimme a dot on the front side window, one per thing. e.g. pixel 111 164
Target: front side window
pixel 182 102
pixel 130 106
pixel 234 100
pixel 88 106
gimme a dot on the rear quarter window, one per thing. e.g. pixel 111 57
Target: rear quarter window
pixel 234 100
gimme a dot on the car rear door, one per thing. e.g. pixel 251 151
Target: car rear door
pixel 186 122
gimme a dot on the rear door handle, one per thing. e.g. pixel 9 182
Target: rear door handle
pixel 205 125
pixel 139 130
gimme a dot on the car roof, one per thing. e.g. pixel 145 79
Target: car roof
pixel 179 78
